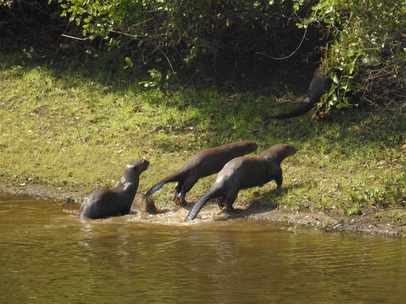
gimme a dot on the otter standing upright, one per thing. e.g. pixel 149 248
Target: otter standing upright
pixel 118 200
pixel 245 172
pixel 202 164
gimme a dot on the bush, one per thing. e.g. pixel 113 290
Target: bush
pixel 367 55
pixel 184 34
pixel 362 40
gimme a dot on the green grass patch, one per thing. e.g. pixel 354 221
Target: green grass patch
pixel 63 127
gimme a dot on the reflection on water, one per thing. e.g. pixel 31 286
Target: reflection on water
pixel 49 255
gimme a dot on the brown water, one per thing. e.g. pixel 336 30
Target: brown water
pixel 49 255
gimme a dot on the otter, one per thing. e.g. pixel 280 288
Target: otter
pixel 118 200
pixel 318 87
pixel 242 173
pixel 202 164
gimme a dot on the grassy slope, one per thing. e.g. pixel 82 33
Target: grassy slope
pixel 65 129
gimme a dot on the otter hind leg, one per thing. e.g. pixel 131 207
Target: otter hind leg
pixel 230 198
pixel 182 189
pixel 221 202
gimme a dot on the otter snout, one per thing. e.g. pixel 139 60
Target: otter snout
pixel 140 164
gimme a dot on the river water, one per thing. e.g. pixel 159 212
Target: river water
pixel 49 255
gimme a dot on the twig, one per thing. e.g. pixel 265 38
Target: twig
pixel 290 55
pixel 76 38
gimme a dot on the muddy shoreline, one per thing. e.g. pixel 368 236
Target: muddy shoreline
pixel 366 223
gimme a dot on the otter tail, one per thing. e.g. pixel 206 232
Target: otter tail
pixel 212 193
pixel 303 110
pixel 155 188
pixel 175 177
pixel 318 86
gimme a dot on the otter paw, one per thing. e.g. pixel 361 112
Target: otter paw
pixel 180 202
pixel 229 210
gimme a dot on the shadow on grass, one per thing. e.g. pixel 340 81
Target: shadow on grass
pixel 262 204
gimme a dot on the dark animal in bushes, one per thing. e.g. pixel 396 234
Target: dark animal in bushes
pixel 318 87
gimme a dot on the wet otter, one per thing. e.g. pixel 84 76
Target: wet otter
pixel 116 201
pixel 202 164
pixel 318 87
pixel 245 172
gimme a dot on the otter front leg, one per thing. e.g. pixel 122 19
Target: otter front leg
pixel 180 200
pixel 178 188
pixel 279 180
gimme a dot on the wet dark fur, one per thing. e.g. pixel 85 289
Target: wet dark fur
pixel 202 164
pixel 118 200
pixel 245 172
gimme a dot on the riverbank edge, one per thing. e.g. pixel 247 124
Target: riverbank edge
pixel 328 222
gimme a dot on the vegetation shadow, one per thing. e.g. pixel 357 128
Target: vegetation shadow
pixel 230 109
pixel 262 204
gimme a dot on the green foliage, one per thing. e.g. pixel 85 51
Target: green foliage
pixel 176 33
pixel 393 195
pixel 6 2
pixel 158 80
pixel 364 48
pixel 366 54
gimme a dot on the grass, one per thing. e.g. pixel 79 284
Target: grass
pixel 64 125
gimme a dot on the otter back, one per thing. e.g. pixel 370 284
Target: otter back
pixel 202 164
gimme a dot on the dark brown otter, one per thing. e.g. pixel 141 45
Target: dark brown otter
pixel 202 164
pixel 118 200
pixel 319 85
pixel 242 173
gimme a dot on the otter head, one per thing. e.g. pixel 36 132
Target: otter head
pixel 249 146
pixel 279 151
pixel 288 149
pixel 138 166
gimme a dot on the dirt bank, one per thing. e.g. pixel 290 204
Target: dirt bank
pixel 376 223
